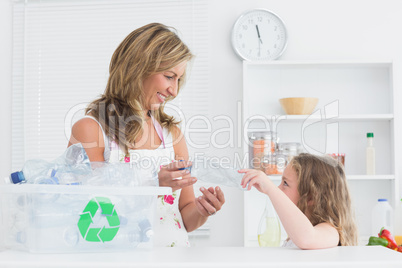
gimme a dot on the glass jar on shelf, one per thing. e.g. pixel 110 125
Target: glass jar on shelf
pixel 281 162
pixel 262 143
pixel 270 164
pixel 289 149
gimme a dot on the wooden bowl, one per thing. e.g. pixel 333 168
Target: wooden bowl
pixel 298 105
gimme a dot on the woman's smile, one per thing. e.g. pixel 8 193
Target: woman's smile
pixel 161 97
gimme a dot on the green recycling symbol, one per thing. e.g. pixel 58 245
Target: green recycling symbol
pixel 99 234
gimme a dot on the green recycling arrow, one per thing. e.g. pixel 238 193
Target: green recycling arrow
pixel 84 223
pixel 103 234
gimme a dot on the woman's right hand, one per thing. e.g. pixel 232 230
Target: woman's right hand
pixel 169 173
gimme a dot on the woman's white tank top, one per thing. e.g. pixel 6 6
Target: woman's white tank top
pixel 169 229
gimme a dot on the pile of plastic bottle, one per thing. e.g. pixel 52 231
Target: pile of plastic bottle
pixel 74 168
pixel 73 205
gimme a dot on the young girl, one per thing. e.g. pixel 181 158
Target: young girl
pixel 312 202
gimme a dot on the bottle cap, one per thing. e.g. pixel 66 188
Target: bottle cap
pixel 17 177
pixel 382 200
pixel 370 135
pixel 149 233
pixel 146 230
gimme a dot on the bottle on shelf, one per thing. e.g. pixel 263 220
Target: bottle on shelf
pixel 269 229
pixel 370 154
pixel 382 217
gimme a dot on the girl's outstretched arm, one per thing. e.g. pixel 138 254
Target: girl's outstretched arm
pixel 297 225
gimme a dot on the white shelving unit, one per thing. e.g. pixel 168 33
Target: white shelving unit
pixel 354 98
pixel 341 118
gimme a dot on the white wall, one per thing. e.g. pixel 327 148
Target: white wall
pixel 317 29
pixel 5 93
pixel 5 86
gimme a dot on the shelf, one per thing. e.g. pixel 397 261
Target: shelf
pixel 350 177
pixel 341 118
pixel 355 98
pixel 331 64
pixel 370 177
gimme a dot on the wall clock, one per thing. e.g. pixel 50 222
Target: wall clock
pixel 259 35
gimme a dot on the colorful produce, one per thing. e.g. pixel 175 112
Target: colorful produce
pixel 377 241
pixel 384 233
pixel 384 239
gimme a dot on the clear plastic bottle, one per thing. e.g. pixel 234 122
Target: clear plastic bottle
pixel 211 171
pixel 131 236
pixel 146 230
pixel 382 217
pixel 269 229
pixel 53 214
pixel 122 175
pixel 370 155
pixel 133 233
pixel 71 236
pixel 32 170
pixel 66 169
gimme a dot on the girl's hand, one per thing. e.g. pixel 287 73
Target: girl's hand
pixel 169 173
pixel 210 202
pixel 256 178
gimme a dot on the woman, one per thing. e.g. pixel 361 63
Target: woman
pixel 148 69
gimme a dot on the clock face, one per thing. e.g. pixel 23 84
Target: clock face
pixel 259 35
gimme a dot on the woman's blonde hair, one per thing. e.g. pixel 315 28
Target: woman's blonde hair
pixel 151 49
pixel 324 195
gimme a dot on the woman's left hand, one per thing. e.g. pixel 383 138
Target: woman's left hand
pixel 210 202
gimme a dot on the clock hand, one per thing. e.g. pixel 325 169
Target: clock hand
pixel 258 33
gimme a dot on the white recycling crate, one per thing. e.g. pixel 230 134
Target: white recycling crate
pixel 68 218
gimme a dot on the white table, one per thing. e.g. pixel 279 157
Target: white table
pixel 374 256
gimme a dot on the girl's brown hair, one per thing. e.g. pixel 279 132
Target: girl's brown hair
pixel 148 50
pixel 324 195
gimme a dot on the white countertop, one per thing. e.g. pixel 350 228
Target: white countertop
pixel 374 256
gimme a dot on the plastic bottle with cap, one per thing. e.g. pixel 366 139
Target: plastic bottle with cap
pixel 370 155
pixel 382 217
pixel 69 168
pixel 134 232
pixel 146 230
